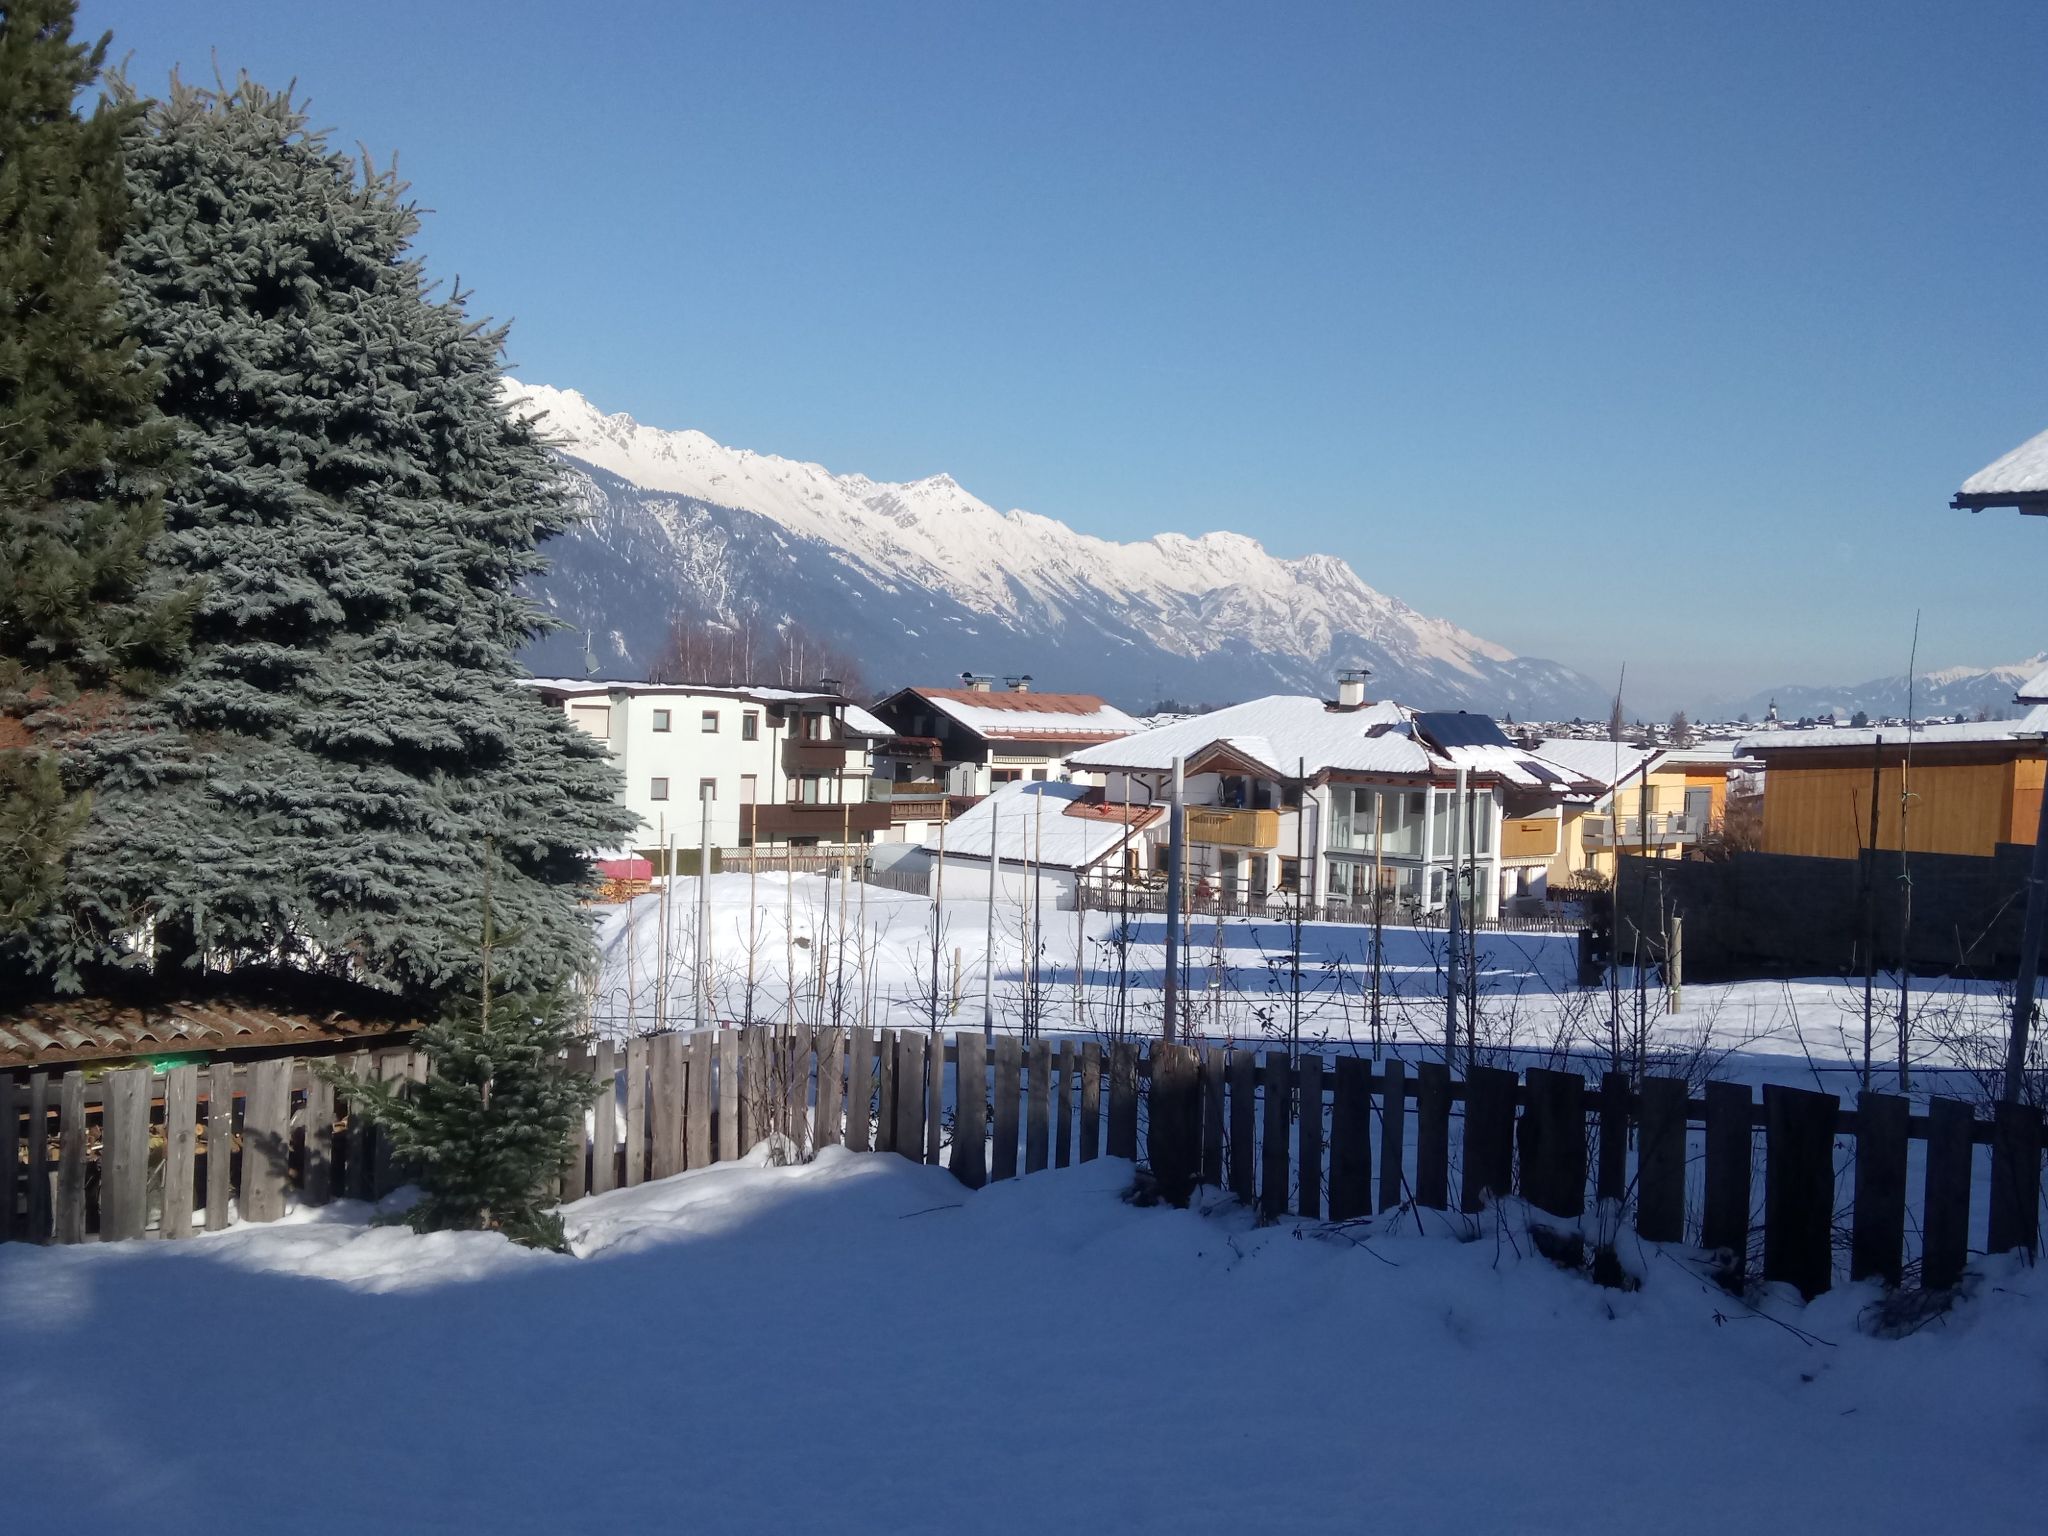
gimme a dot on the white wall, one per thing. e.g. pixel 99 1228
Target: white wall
pixel 968 880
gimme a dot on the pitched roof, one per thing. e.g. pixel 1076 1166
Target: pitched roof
pixel 2035 689
pixel 2033 724
pixel 1013 716
pixel 59 1031
pixel 2019 479
pixel 1063 826
pixel 1605 763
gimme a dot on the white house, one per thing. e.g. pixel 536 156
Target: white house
pixel 774 765
pixel 974 738
pixel 1329 800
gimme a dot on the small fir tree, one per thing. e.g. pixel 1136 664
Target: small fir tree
pixel 484 1131
pixel 82 451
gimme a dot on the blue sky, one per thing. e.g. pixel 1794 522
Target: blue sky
pixel 1615 332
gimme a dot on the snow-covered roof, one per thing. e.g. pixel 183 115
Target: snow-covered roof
pixel 581 687
pixel 2019 478
pixel 1047 823
pixel 1014 716
pixel 2035 689
pixel 1292 735
pixel 1604 763
pixel 2032 724
pixel 862 723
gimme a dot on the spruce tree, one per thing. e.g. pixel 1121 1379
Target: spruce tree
pixel 82 449
pixel 313 789
pixel 486 1128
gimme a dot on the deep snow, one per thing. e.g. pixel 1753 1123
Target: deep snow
pixel 862 1346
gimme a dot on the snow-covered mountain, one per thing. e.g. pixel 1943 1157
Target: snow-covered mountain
pixel 1945 691
pixel 922 581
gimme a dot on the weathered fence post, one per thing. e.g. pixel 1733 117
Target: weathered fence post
pixel 1351 1139
pixel 1279 1085
pixel 935 1101
pixel 220 1142
pixel 910 1051
pixel 69 1224
pixel 1244 1110
pixel 266 1140
pixel 1173 1132
pixel 2015 1178
pixel 1212 1115
pixel 970 1120
pixel 831 1131
pixel 860 1087
pixel 1553 1141
pixel 636 1111
pixel 1489 1163
pixel 1433 1135
pixel 11 1137
pixel 38 1202
pixel 1611 1183
pixel 1037 1117
pixel 181 1148
pixel 1724 1209
pixel 1063 1129
pixel 729 1096
pixel 1009 1083
pixel 889 1086
pixel 576 1158
pixel 1660 1161
pixel 665 1106
pixel 124 1153
pixel 604 1135
pixel 316 1160
pixel 1393 1132
pixel 1877 1243
pixel 1799 1187
pixel 1945 1219
pixel 1091 1101
pixel 1123 1100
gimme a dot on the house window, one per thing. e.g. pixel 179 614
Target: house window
pixel 1290 875
pixel 707 789
pixel 1038 774
pixel 595 719
pixel 661 720
pixel 750 726
pixel 657 789
pixel 811 789
pixel 710 722
pixel 1005 775
pixel 816 727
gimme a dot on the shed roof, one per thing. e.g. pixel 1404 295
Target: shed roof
pixel 1062 826
pixel 2019 479
pixel 63 1031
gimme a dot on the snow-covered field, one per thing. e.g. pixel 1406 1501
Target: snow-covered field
pixel 863 1346
pixel 874 963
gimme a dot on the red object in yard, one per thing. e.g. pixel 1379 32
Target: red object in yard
pixel 626 869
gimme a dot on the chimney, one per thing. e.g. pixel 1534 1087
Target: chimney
pixel 829 685
pixel 1019 684
pixel 977 682
pixel 1351 687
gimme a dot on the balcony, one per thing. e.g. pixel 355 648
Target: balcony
pixel 1529 837
pixel 780 823
pixel 1665 831
pixel 1233 829
pixel 806 759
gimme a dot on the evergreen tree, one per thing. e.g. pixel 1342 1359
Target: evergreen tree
pixel 313 789
pixel 486 1128
pixel 81 450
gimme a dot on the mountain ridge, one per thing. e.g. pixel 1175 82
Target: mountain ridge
pixel 739 532
pixel 1962 690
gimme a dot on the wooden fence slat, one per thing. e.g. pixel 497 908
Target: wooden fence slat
pixel 316 1161
pixel 1393 1133
pixel 1123 1100
pixel 1945 1214
pixel 2015 1179
pixel 935 1097
pixel 69 1220
pixel 575 1177
pixel 355 1140
pixel 220 1141
pixel 1244 1119
pixel 1660 1161
pixel 970 1121
pixel 665 1105
pixel 604 1132
pixel 394 1067
pixel 1877 1241
pixel 1038 1107
pixel 796 1077
pixel 1799 1187
pixel 1553 1143
pixel 1173 1129
pixel 1278 1118
pixel 860 1088
pixel 124 1153
pixel 1063 1128
pixel 1611 1184
pixel 831 1126
pixel 634 1163
pixel 1433 1135
pixel 266 1139
pixel 1309 1151
pixel 1351 1139
pixel 181 1147
pixel 1009 1071
pixel 889 1081
pixel 1091 1101
pixel 753 1081
pixel 1489 1162
pixel 695 1053
pixel 1724 1206
pixel 37 1203
pixel 1212 1116
pixel 726 1047
pixel 910 1054
pixel 736 1059
pixel 13 1133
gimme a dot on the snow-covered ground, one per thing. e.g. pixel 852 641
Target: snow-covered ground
pixel 875 964
pixel 863 1346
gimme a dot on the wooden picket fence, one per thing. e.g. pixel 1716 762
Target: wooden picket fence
pixel 1334 1139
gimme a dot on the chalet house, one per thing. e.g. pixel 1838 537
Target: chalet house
pixel 1656 801
pixel 971 739
pixel 1973 785
pixel 775 765
pixel 1294 796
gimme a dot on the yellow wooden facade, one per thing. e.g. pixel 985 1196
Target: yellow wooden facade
pixel 1961 798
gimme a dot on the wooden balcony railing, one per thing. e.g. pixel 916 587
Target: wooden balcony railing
pixel 1233 829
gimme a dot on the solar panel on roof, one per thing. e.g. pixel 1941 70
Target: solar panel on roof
pixel 1459 729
